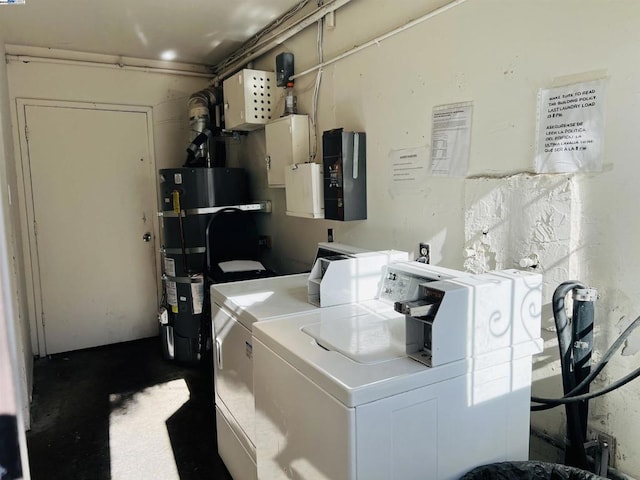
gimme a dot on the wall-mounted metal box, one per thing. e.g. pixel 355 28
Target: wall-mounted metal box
pixel 249 99
pixel 303 190
pixel 344 158
pixel 287 142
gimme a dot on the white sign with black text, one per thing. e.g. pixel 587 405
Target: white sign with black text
pixel 451 139
pixel 571 128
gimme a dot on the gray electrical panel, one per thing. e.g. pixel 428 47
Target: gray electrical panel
pixel 344 159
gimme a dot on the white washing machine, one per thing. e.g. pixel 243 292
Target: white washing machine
pixel 354 392
pixel 235 308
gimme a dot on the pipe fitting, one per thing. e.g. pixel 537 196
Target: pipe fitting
pixel 585 294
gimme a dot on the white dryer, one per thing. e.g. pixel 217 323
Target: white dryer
pixel 338 396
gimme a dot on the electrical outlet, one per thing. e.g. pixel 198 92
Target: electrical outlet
pixel 424 252
pixel 265 241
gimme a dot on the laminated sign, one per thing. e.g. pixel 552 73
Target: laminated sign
pixel 571 128
pixel 451 139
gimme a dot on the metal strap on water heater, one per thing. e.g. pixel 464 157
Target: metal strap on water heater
pixel 264 206
pixel 188 280
pixel 188 251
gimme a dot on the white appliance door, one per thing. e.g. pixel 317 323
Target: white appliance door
pixel 302 432
pixel 238 460
pixel 233 374
pixel 398 436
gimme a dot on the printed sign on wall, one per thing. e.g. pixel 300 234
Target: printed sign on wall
pixel 451 139
pixel 408 170
pixel 571 128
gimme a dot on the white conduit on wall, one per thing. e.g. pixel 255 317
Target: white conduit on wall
pixel 228 67
pixel 379 39
pixel 117 66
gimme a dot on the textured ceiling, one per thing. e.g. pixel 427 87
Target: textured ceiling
pixel 191 31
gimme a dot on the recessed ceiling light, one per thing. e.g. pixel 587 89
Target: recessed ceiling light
pixel 168 55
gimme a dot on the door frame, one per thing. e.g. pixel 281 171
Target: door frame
pixel 27 216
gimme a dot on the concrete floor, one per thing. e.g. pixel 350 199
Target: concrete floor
pixel 122 412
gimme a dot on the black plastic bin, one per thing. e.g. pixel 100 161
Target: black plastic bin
pixel 529 471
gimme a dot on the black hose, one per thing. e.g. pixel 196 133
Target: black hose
pixel 575 454
pixel 564 331
pixel 581 350
pixel 564 338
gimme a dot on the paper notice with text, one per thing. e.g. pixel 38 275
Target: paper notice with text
pixel 408 170
pixel 571 128
pixel 451 139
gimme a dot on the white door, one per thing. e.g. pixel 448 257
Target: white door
pixel 92 184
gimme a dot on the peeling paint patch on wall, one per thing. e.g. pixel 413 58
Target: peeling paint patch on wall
pixel 522 218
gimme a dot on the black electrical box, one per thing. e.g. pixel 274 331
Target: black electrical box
pixel 284 68
pixel 344 159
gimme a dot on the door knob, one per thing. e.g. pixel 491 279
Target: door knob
pixel 146 237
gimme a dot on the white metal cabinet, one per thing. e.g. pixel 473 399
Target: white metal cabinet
pixel 304 190
pixel 287 143
pixel 249 99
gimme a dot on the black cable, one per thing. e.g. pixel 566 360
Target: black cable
pixel 553 402
pixel 588 396
pixel 540 408
pixel 607 356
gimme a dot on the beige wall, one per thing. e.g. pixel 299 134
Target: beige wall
pixel 497 54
